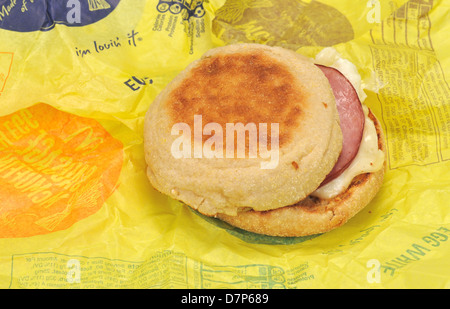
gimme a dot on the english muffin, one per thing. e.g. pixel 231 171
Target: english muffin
pixel 244 84
pixel 253 135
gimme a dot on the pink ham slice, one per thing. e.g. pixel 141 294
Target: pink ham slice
pixel 351 116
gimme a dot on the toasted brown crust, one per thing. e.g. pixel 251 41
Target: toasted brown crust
pixel 203 93
pixel 313 215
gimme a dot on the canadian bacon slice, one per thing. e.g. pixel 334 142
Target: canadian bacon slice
pixel 351 117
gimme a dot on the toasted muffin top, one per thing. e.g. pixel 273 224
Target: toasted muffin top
pixel 257 86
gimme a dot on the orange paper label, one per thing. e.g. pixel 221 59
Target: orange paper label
pixel 55 169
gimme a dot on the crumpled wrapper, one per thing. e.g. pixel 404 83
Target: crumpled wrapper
pixel 77 211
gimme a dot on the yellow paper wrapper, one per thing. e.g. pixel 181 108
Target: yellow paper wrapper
pixel 77 211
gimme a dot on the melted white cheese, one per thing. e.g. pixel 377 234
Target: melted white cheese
pixel 368 159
